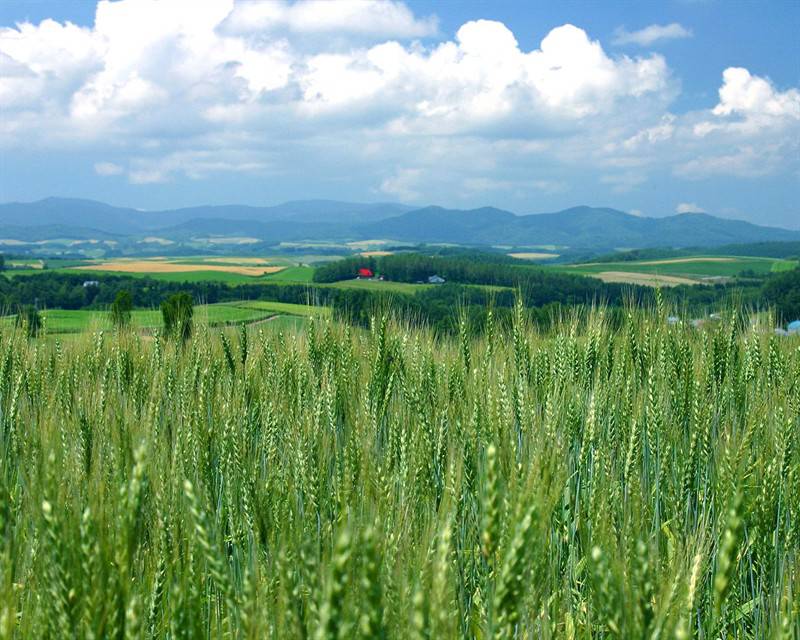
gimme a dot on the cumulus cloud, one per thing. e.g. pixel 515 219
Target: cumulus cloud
pixel 744 94
pixel 651 34
pixel 376 18
pixel 154 69
pixel 689 207
pixel 174 92
pixel 478 80
pixel 750 104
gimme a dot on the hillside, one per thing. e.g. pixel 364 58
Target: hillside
pixel 593 228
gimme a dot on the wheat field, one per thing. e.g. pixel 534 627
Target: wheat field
pixel 587 481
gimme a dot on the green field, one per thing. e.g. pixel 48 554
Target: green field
pixel 584 481
pixel 57 321
pixel 283 308
pixel 379 285
pixel 292 274
pixel 697 268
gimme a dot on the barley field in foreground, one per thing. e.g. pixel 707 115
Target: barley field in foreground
pixel 590 481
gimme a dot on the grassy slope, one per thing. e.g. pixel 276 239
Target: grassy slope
pixel 191 276
pixel 72 321
pixel 283 308
pixel 379 285
pixel 292 274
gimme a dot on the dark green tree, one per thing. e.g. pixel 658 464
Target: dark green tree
pixel 782 292
pixel 2 262
pixel 29 320
pixel 177 312
pixel 121 309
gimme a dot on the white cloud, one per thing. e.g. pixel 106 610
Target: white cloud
pixel 744 94
pixel 147 62
pixel 377 18
pixel 749 104
pixel 689 207
pixel 753 131
pixel 480 79
pixel 402 184
pixel 652 135
pixel 172 93
pixel 108 169
pixel 650 34
pixel 636 212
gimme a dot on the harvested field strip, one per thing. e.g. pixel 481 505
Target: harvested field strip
pixel 646 279
pixel 149 266
pixel 227 260
pixel 533 255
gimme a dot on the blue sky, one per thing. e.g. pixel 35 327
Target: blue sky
pixel 652 108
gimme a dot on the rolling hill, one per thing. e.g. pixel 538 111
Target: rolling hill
pixel 579 227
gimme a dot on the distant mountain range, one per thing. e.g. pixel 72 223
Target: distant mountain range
pixel 315 220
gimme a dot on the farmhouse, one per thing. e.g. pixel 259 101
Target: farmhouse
pixel 794 327
pixel 363 272
pixel 90 283
pixel 436 279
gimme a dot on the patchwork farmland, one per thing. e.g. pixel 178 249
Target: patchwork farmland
pixel 685 270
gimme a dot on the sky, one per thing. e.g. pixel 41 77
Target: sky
pixel 651 108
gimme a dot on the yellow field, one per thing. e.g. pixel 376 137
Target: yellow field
pixel 533 256
pixel 155 266
pixel 368 254
pixel 646 279
pixel 236 261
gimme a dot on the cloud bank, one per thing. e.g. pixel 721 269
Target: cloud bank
pixel 164 90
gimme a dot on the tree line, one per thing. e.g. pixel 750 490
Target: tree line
pixel 542 293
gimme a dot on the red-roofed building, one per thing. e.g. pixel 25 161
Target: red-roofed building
pixel 365 273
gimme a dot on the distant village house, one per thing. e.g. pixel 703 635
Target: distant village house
pixel 365 273
pixel 435 279
pixel 91 283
